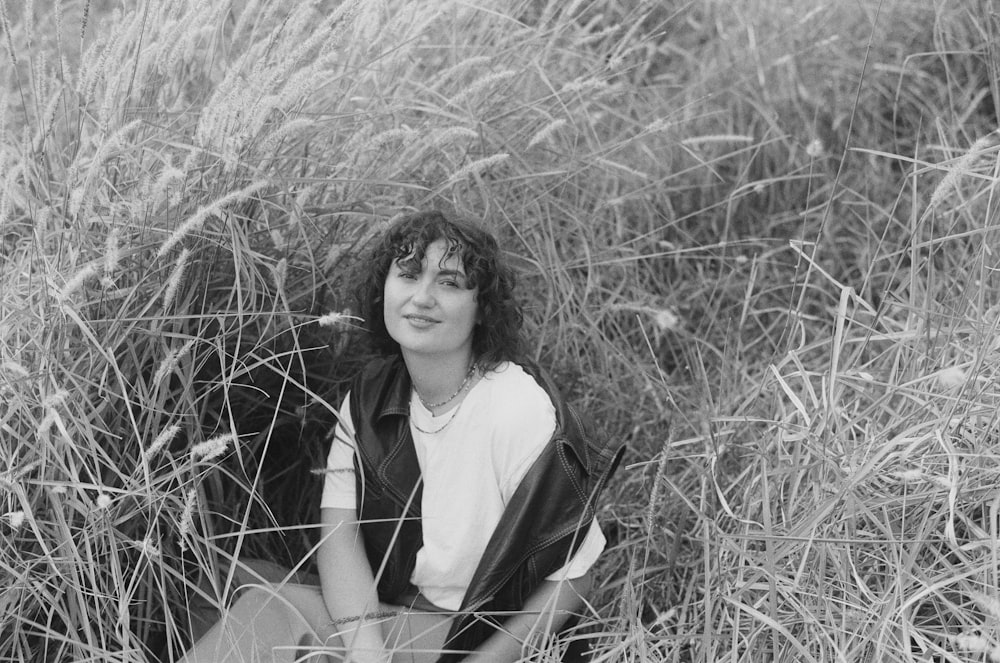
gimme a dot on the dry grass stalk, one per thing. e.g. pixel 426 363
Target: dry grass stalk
pixel 161 440
pixel 176 278
pixel 478 166
pixel 214 208
pixel 828 490
pixel 545 133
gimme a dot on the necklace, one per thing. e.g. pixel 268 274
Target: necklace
pixel 454 413
pixel 441 427
pixel 432 406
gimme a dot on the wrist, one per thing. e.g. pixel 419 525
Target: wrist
pixel 366 648
pixel 362 634
pixel 369 618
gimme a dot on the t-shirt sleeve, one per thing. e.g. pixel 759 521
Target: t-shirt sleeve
pixel 339 482
pixel 588 552
pixel 527 429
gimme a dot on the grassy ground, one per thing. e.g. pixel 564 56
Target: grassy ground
pixel 756 240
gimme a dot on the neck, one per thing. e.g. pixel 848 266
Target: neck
pixel 436 378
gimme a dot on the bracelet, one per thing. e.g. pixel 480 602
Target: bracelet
pixel 383 614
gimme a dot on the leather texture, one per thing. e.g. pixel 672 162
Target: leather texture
pixel 540 529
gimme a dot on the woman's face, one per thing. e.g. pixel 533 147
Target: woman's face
pixel 428 307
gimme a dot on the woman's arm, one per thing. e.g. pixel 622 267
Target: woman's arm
pixel 544 612
pixel 348 584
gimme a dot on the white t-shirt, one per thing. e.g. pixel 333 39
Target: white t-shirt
pixel 470 470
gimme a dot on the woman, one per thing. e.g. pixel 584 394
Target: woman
pixel 457 512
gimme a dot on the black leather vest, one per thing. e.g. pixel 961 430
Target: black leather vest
pixel 539 530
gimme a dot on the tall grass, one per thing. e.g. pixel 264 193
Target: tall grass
pixel 756 241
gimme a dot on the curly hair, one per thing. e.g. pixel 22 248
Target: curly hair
pixel 498 337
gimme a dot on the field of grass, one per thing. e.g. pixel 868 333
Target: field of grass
pixel 756 240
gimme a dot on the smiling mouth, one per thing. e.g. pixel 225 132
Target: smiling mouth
pixel 419 318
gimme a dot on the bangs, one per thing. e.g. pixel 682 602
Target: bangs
pixel 410 251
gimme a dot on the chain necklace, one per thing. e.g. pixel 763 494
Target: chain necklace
pixel 432 406
pixel 454 413
pixel 441 427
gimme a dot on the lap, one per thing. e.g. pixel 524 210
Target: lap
pixel 411 635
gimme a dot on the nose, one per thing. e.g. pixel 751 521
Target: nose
pixel 423 294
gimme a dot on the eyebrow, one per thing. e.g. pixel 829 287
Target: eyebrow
pixel 409 262
pixel 453 273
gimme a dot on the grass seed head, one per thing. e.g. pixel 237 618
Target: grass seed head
pixel 215 208
pixel 546 132
pixel 959 168
pixel 989 604
pixel 484 84
pixel 176 278
pixel 209 450
pixel 658 125
pixel 952 377
pixel 82 275
pixel 167 186
pixel 149 548
pixel 910 476
pixel 169 363
pixel 442 137
pixel 187 518
pixel 11 367
pixel 5 25
pixel 580 85
pixel 978 644
pixel 280 273
pixel 164 438
pixel 55 399
pixel 112 251
pixel 667 320
pixel 335 318
pixel 15 519
pixel 478 166
pixel 403 134
pixel 815 148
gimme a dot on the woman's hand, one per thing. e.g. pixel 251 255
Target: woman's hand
pixel 367 656
pixel 348 585
pixel 544 613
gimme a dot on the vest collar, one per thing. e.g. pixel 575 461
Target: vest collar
pixel 396 402
pixel 397 394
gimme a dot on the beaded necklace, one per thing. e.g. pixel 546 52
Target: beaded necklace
pixel 432 406
pixel 454 413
